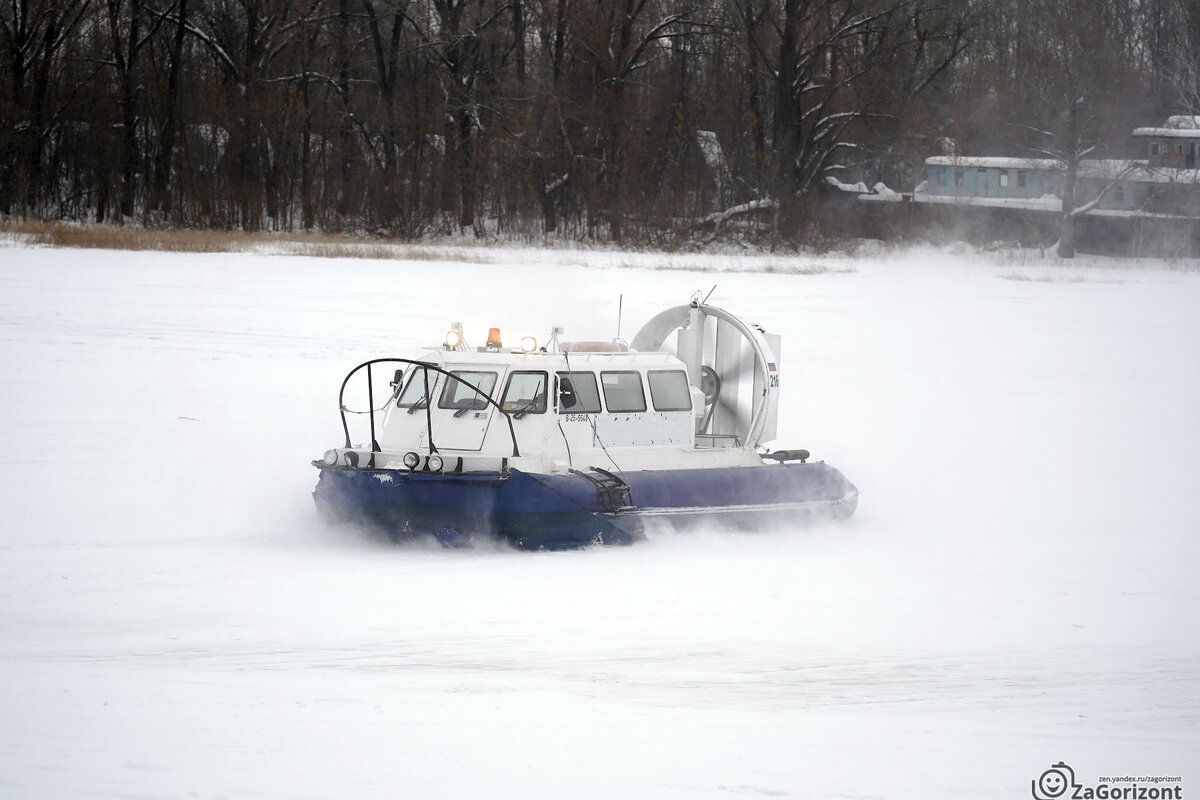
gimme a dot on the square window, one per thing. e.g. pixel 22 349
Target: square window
pixel 1004 178
pixel 623 391
pixel 420 381
pixel 578 393
pixel 669 390
pixel 467 390
pixel 525 393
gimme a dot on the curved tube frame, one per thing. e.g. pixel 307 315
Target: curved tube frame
pixel 428 405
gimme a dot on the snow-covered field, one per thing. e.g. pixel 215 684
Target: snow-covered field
pixel 1019 586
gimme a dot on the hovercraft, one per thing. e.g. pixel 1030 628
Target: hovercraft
pixel 578 443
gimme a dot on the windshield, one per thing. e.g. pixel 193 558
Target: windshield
pixel 414 391
pixel 526 393
pixel 460 390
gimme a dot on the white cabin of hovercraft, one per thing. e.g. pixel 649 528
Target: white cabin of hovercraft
pixel 572 404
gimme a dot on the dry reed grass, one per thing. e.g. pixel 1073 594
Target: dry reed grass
pixel 121 237
pixel 320 248
pixel 728 266
pixel 315 245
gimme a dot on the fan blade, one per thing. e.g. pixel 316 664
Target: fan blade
pixel 731 418
pixel 732 359
pixel 732 354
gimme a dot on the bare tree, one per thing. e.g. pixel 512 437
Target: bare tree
pixel 618 119
pixel 32 34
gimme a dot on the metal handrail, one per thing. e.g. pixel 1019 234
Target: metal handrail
pixel 428 400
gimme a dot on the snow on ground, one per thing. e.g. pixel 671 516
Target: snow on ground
pixel 1018 587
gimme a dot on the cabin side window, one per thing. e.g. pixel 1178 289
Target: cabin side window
pixel 623 391
pixel 525 393
pixel 578 393
pixel 669 390
pixel 414 391
pixel 460 392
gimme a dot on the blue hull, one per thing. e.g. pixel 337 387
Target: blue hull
pixel 573 510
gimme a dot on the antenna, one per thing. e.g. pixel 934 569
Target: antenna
pixel 710 291
pixel 620 308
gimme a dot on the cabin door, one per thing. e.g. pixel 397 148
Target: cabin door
pixel 462 414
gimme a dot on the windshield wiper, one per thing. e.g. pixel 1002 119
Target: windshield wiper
pixel 525 409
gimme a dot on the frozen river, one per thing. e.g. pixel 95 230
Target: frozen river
pixel 1018 588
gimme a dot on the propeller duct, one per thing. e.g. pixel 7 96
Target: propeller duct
pixel 733 363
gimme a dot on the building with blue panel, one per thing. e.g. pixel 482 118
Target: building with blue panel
pixel 1023 179
pixel 1176 144
pixel 1164 184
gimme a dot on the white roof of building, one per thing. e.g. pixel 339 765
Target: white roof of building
pixel 983 162
pixel 1168 133
pixel 1180 126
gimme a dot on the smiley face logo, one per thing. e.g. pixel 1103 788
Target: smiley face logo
pixel 1053 783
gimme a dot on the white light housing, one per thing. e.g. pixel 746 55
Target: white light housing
pixel 528 344
pixel 331 457
pixel 453 339
pixel 411 460
pixel 434 463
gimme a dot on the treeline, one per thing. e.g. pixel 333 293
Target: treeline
pixel 634 120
